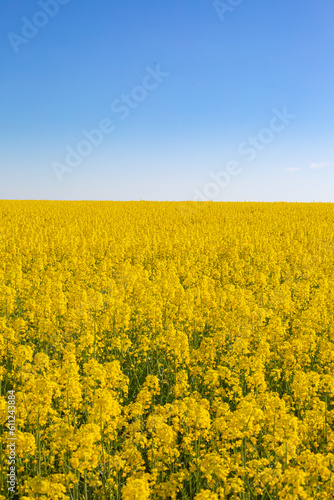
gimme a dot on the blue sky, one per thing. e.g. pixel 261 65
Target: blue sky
pixel 185 92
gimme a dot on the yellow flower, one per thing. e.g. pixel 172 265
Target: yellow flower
pixel 26 443
pixel 206 495
pixel 136 489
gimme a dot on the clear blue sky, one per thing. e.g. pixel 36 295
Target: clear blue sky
pixel 182 90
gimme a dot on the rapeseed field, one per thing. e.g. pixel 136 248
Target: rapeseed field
pixel 167 350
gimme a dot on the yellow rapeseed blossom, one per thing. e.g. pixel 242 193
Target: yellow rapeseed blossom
pixel 206 495
pixel 136 489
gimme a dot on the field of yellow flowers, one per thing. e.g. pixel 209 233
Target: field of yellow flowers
pixel 167 350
